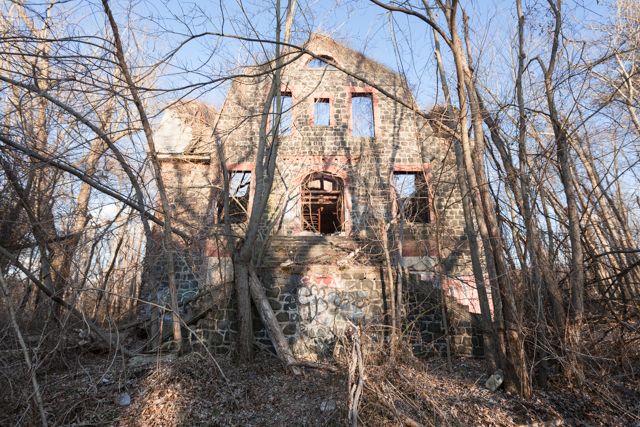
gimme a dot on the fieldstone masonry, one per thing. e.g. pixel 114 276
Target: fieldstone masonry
pixel 315 305
pixel 315 298
pixel 425 302
pixel 331 303
pixel 187 278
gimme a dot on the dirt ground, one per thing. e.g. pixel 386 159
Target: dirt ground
pixel 83 388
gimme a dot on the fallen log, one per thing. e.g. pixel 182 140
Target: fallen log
pixel 271 323
pixel 319 366
pixel 190 321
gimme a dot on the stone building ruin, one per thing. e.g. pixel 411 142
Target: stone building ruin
pixel 352 163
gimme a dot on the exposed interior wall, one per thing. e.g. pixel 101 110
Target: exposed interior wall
pixel 425 326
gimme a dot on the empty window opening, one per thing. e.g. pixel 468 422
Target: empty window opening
pixel 412 196
pixel 322 204
pixel 321 112
pixel 322 62
pixel 282 118
pixel 239 191
pixel 362 115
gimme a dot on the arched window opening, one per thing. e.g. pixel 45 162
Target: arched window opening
pixel 322 61
pixel 322 205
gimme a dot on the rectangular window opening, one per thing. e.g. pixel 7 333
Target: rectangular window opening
pixel 239 191
pixel 362 115
pixel 321 112
pixel 412 197
pixel 284 120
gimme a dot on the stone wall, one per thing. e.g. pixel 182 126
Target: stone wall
pixel 329 303
pixel 314 306
pixel 425 323
pixel 190 185
pixel 403 141
pixel 188 275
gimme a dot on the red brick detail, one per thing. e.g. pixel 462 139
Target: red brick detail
pixel 419 248
pixel 428 177
pixel 338 159
pixel 334 169
pixel 321 280
pixel 291 89
pixel 465 292
pixel 246 166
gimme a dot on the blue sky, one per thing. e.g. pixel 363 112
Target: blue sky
pixel 159 25
pixel 357 23
pixel 402 43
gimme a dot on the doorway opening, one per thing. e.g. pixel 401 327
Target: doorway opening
pixel 322 204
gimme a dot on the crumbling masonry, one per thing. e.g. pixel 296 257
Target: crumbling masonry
pixel 352 163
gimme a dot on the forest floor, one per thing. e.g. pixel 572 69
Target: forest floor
pixel 83 388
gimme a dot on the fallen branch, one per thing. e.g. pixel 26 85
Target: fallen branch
pixel 312 365
pixel 37 396
pixel 356 379
pixel 99 332
pixel 405 419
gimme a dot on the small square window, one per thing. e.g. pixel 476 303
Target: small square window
pixel 412 196
pixel 321 112
pixel 283 121
pixel 362 115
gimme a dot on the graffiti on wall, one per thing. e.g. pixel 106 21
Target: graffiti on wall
pixel 328 306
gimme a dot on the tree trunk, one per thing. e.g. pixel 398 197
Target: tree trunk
pixel 514 355
pixel 167 244
pixel 243 303
pixel 573 329
pixel 488 330
pixel 264 172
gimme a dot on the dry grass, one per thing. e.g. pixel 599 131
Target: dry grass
pixel 82 389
